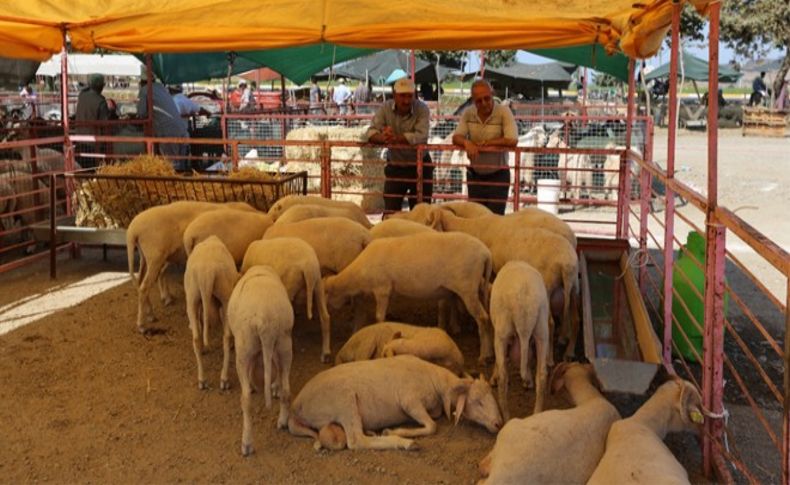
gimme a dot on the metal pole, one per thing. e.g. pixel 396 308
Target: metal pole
pixel 669 212
pixel 149 98
pixel 482 64
pixel 413 63
pixel 786 419
pixel 68 147
pixel 645 195
pixel 624 197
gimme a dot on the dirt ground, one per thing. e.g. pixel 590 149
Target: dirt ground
pixel 86 399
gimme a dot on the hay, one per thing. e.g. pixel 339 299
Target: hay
pixel 113 203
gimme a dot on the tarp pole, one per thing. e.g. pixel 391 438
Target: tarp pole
pixel 149 97
pixel 68 147
pixel 482 64
pixel 669 212
pixel 584 90
pixel 413 62
pixel 713 343
pixel 624 197
pixel 282 94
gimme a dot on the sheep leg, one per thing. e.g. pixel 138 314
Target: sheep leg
pixel 193 311
pixel 244 364
pixel 416 410
pixel 223 377
pixel 475 308
pixel 164 290
pixel 144 309
pixel 541 351
pixel 326 325
pixel 351 422
pixel 284 350
pixel 382 296
pixel 500 352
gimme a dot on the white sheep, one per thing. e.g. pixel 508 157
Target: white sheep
pixel 297 265
pixel 261 318
pixel 534 217
pixel 348 209
pixel 352 398
pixel 549 253
pixel 208 281
pixel 388 339
pixel 236 229
pixel 466 209
pixel 535 137
pixel 336 240
pixel 158 233
pixel 576 168
pixel 635 450
pixel 520 311
pixel 397 228
pixel 555 446
pixel 301 212
pixel 425 265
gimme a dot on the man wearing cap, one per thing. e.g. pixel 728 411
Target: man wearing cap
pixel 342 96
pixel 166 120
pixel 487 124
pixel 91 106
pixel 403 121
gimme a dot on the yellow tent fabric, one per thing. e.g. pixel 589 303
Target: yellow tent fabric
pixel 33 28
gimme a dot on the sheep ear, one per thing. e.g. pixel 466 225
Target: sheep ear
pixel 557 377
pixel 459 407
pixel 455 394
pixel 396 336
pixel 434 218
pixel 689 403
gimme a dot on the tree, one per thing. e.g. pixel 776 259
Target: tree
pixel 754 27
pixel 499 58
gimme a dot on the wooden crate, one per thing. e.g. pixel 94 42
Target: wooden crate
pixel 764 122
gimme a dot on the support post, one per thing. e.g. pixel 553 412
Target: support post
pixel 786 418
pixel 624 191
pixel 149 98
pixel 68 147
pixel 669 212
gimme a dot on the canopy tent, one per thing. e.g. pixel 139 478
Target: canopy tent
pixel 36 29
pixel 85 64
pixel 380 66
pixel 695 69
pixel 262 74
pixel 592 56
pixel 295 63
pixel 527 79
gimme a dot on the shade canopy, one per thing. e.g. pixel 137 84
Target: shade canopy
pixel 528 79
pixel 84 64
pixel 35 29
pixel 696 69
pixel 379 67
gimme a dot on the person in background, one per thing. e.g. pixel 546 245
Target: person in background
pixel 246 102
pixel 487 124
pixel 342 96
pixel 403 120
pixel 167 122
pixel 316 96
pixel 186 107
pixel 759 90
pixel 361 93
pixel 91 107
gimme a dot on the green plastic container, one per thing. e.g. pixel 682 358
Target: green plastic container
pixel 694 275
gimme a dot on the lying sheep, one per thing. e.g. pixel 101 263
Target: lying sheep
pixel 424 265
pixel 302 212
pixel 208 280
pixel 397 228
pixel 261 326
pixel 388 339
pixel 297 265
pixel 158 233
pixel 236 229
pixel 520 311
pixel 376 394
pixel 635 450
pixel 350 209
pixel 336 240
pixel 549 253
pixel 555 446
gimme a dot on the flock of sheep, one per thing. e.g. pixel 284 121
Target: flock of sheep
pixel 246 269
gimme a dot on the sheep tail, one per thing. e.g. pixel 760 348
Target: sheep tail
pixel 309 284
pixel 131 244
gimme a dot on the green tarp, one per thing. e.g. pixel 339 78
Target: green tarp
pixel 295 63
pixel 592 56
pixel 380 65
pixel 695 69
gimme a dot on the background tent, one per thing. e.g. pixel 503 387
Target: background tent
pixel 528 79
pixel 379 66
pixel 85 64
pixel 695 69
pixel 14 72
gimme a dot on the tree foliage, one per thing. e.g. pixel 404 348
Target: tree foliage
pixel 456 59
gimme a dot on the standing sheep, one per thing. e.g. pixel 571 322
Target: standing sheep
pixel 302 212
pixel 425 265
pixel 336 240
pixel 532 217
pixel 635 450
pixel 158 233
pixel 299 270
pixel 376 394
pixel 397 228
pixel 261 326
pixel 351 210
pixel 520 311
pixel 388 339
pixel 236 229
pixel 555 446
pixel 209 279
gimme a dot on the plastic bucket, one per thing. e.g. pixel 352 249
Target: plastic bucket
pixel 549 195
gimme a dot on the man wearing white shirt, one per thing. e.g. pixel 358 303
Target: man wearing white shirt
pixel 342 96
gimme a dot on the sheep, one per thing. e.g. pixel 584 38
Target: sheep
pixel 424 265
pixel 350 399
pixel 520 311
pixel 422 213
pixel 261 326
pixel 555 446
pixel 419 213
pixel 388 339
pixel 158 233
pixel 534 217
pixel 635 450
pixel 300 212
pixel 397 228
pixel 209 279
pixel 336 240
pixel 236 229
pixel 611 171
pixel 549 253
pixel 297 265
pixel 466 209
pixel 348 209
pixel 577 167
pixel 535 137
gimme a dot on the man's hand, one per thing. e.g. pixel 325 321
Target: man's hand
pixel 472 150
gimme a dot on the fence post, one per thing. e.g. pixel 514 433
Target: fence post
pixel 517 180
pixel 326 170
pixel 624 190
pixel 419 180
pixel 234 154
pixel 786 420
pixel 713 341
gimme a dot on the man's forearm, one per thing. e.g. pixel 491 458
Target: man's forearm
pixel 459 140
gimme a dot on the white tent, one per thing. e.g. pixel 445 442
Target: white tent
pixel 85 64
